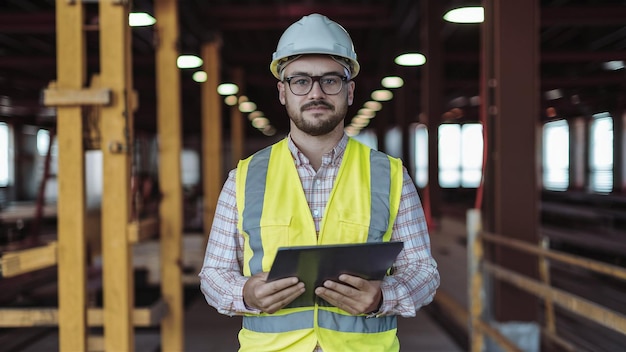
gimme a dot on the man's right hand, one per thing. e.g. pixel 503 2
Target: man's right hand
pixel 269 297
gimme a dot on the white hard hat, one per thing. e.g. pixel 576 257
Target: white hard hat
pixel 314 34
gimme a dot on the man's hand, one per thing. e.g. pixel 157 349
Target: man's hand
pixel 269 297
pixel 358 296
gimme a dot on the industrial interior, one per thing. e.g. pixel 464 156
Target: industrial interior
pixel 113 151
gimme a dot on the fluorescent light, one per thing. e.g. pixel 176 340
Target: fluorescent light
pixel 188 61
pixel 553 94
pixel 140 19
pixel 374 105
pixel 410 59
pixel 367 112
pixel 269 130
pixel 231 100
pixel 227 89
pixel 253 115
pixel 199 76
pixel 260 122
pixel 613 65
pixel 392 82
pixel 470 14
pixel 247 106
pixel 382 95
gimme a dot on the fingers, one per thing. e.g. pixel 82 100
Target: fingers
pixel 284 297
pixel 357 297
pixel 269 297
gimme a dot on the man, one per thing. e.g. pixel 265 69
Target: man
pixel 317 186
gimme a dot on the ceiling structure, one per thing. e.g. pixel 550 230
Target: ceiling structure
pixel 576 37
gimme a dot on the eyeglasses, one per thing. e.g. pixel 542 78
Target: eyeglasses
pixel 302 84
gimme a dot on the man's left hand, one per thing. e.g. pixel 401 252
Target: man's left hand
pixel 356 296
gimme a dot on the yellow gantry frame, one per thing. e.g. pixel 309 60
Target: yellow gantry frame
pixel 116 122
pixel 171 206
pixel 119 317
pixel 72 263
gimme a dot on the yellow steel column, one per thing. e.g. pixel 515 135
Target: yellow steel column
pixel 72 261
pixel 211 132
pixel 236 122
pixel 116 125
pixel 171 207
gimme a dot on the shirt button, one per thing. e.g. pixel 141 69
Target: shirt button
pixel 318 182
pixel 316 212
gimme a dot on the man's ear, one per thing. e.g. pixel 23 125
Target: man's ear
pixel 351 86
pixel 281 92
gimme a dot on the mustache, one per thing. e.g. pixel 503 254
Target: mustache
pixel 317 103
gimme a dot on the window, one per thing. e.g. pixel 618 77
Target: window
pixel 190 167
pixel 43 143
pixel 555 155
pixel 393 142
pixel 460 155
pixel 420 155
pixel 4 154
pixel 601 153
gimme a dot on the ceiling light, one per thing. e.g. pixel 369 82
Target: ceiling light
pixel 260 122
pixel 140 19
pixel 382 95
pixel 367 112
pixel 253 115
pixel 231 100
pixel 392 82
pixel 470 14
pixel 199 76
pixel 360 121
pixel 351 131
pixel 553 94
pixel 374 105
pixel 247 106
pixel 269 130
pixel 613 65
pixel 410 59
pixel 227 89
pixel 188 61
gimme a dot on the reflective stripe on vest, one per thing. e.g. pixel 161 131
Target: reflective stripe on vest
pixel 254 203
pixel 279 323
pixel 355 323
pixel 381 186
pixel 326 319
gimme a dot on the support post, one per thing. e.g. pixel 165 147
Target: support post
pixel 170 147
pixel 116 125
pixel 510 75
pixel 212 168
pixel 432 95
pixel 72 248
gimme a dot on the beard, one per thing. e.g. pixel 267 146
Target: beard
pixel 316 125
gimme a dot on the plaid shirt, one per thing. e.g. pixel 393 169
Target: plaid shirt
pixel 412 285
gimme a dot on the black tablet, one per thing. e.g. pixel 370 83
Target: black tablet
pixel 315 264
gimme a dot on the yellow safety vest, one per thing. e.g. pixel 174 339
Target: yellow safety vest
pixel 273 213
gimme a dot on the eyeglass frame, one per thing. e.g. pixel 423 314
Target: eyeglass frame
pixel 315 79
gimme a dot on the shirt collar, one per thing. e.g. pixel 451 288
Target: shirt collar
pixel 333 157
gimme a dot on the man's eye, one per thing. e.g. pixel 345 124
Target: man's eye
pixel 329 81
pixel 301 82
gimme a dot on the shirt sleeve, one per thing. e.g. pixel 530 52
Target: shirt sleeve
pixel 221 278
pixel 415 278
